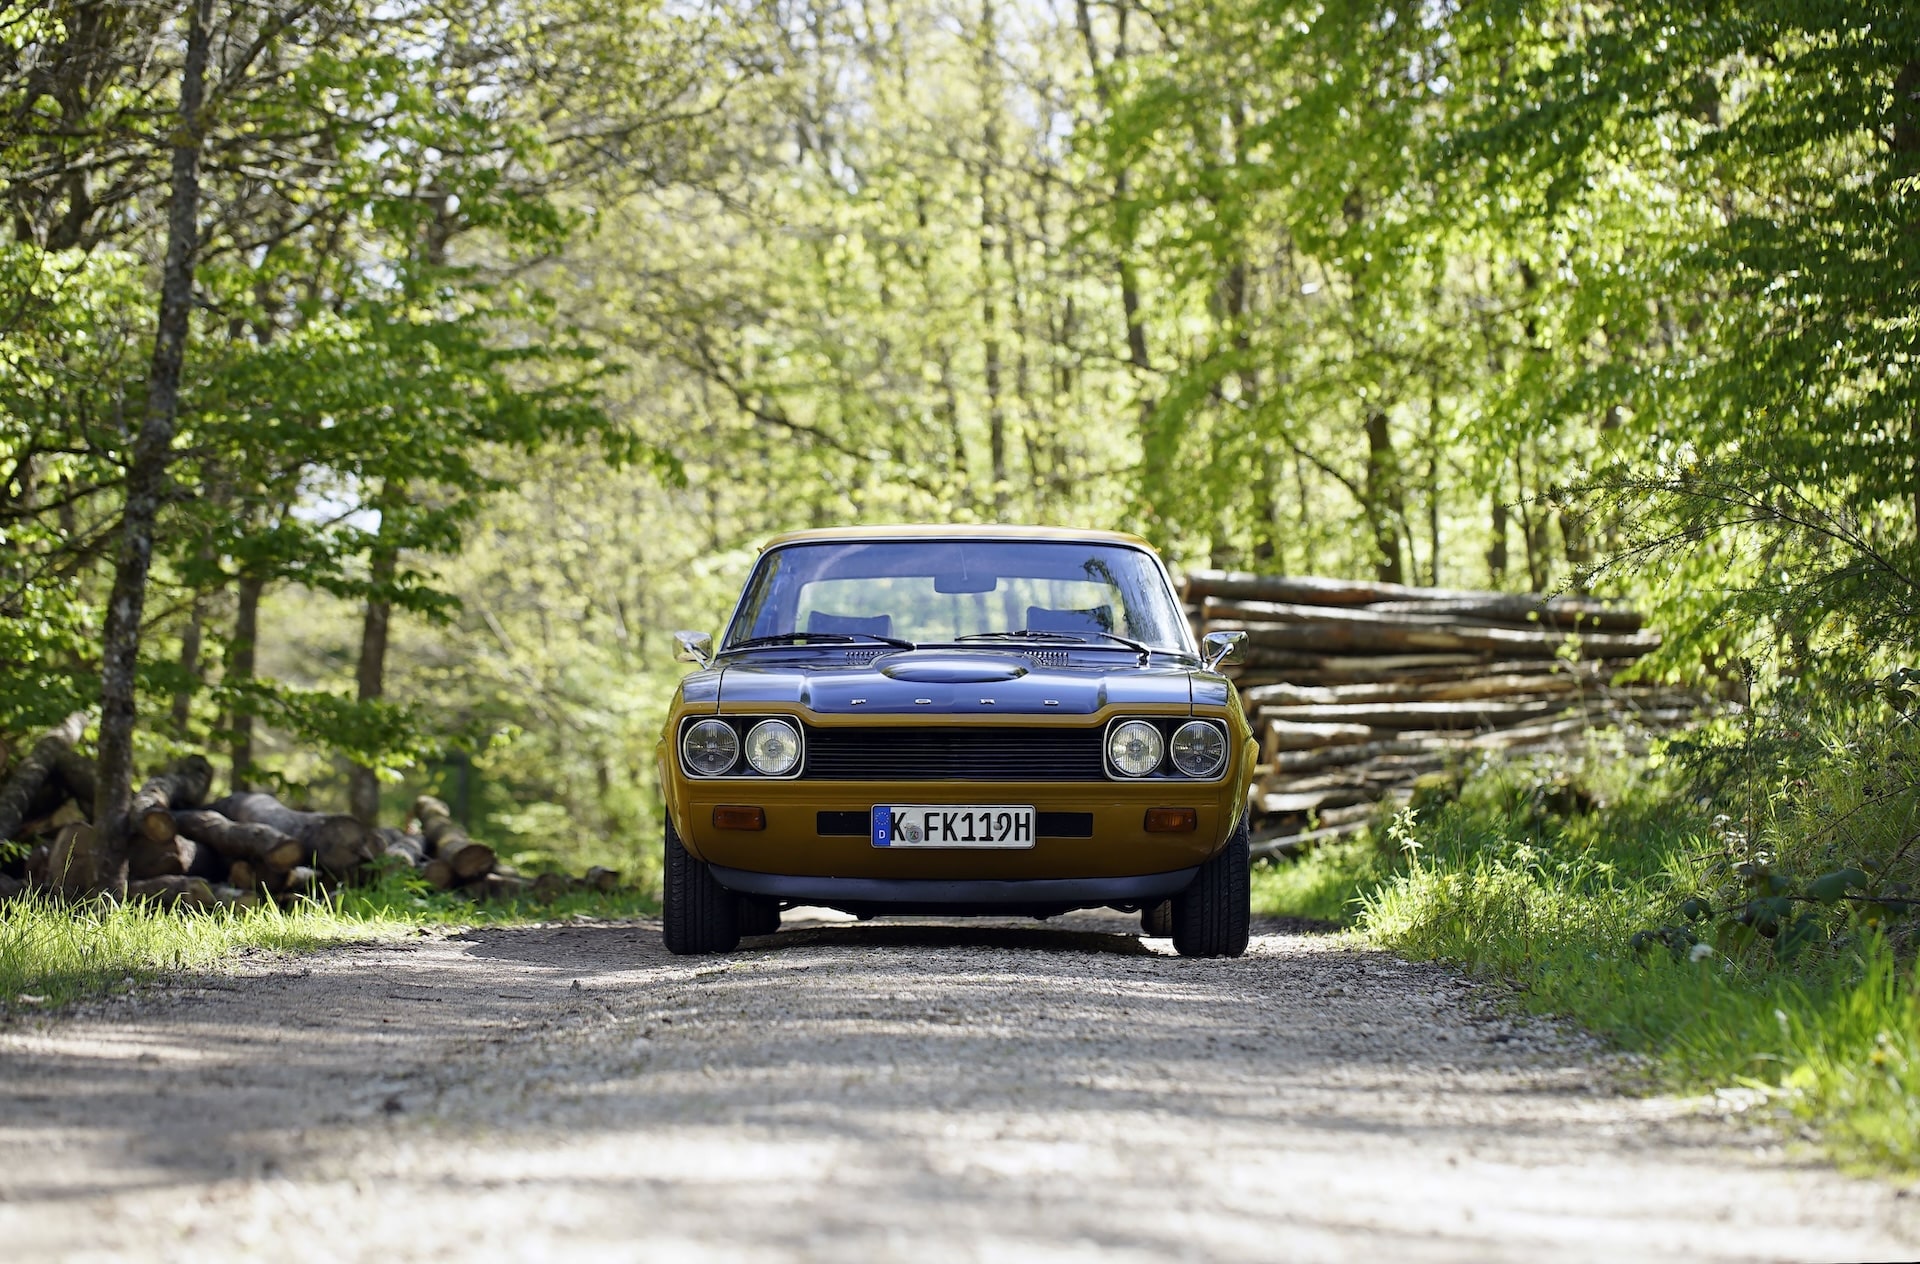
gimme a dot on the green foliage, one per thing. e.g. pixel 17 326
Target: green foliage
pixel 352 383
pixel 1325 884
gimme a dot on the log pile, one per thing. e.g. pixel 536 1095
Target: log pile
pixel 1356 691
pixel 185 852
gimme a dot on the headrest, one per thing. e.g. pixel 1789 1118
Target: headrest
pixel 1097 619
pixel 850 624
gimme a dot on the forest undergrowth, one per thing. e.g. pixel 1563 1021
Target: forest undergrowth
pixel 1739 931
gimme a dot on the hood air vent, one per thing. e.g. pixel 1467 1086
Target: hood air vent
pixel 953 669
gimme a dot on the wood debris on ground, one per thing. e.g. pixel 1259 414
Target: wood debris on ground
pixel 184 851
pixel 1362 694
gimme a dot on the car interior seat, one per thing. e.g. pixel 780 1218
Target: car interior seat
pixel 850 624
pixel 1094 619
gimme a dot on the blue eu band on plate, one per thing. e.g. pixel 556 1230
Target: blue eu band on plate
pixel 948 825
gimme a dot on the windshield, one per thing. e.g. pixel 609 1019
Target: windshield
pixel 944 590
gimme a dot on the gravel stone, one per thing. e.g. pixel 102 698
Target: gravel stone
pixel 890 1090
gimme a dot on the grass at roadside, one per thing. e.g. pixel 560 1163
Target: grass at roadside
pixel 1325 884
pixel 52 954
pixel 1500 883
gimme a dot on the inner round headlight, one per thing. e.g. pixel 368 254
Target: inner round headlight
pixel 1199 748
pixel 710 748
pixel 773 747
pixel 1135 748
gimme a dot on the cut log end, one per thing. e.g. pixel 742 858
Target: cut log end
pixel 470 860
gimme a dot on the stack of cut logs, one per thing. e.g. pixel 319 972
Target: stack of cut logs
pixel 1358 690
pixel 183 850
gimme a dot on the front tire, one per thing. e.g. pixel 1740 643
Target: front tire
pixel 700 916
pixel 1213 916
pixel 1156 920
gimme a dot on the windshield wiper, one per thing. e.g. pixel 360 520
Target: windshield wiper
pixel 1082 638
pixel 831 638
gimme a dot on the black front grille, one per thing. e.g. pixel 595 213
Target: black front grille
pixel 844 824
pixel 1063 824
pixel 954 754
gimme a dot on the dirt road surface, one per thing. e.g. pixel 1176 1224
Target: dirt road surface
pixel 882 1091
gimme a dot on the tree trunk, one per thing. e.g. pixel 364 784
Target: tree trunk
pixel 1352 632
pixel 1906 165
pixel 260 845
pixel 1384 500
pixel 189 666
pixel 1237 595
pixel 446 841
pixel 1497 549
pixel 73 863
pixel 337 844
pixel 989 307
pixel 28 776
pixel 1433 490
pixel 1129 278
pixel 185 785
pixel 1495 685
pixel 296 882
pixel 179 854
pixel 174 890
pixel 363 783
pixel 239 675
pixel 78 776
pixel 147 470
pixel 405 846
pixel 1520 610
pixel 1415 715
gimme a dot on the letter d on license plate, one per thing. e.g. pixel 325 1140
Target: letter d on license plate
pixel 943 825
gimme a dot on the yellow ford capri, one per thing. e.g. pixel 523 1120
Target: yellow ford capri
pixel 956 721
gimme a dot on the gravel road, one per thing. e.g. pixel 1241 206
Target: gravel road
pixel 894 1091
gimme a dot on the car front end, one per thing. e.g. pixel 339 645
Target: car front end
pixel 1010 770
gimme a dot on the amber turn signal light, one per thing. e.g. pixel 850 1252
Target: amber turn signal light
pixel 740 818
pixel 1172 820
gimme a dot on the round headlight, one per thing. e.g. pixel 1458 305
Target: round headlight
pixel 710 748
pixel 773 747
pixel 1135 748
pixel 1199 748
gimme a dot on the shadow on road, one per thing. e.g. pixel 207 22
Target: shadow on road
pixel 948 935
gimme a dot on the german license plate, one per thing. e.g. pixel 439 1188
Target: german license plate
pixel 944 825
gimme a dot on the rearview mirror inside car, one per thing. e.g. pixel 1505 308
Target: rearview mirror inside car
pixel 962 582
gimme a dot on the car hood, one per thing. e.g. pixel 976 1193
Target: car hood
pixel 952 682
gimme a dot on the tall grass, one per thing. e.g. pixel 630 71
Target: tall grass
pixel 52 952
pixel 1325 884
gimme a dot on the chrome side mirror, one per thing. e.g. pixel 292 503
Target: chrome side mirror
pixel 695 647
pixel 1220 647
